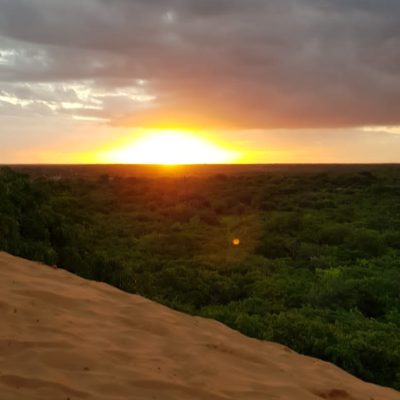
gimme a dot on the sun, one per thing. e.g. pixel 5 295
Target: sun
pixel 170 148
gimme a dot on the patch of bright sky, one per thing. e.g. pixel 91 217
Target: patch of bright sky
pixel 88 118
pixel 384 129
pixel 34 58
pixel 6 98
pixel 64 97
pixel 169 17
pixel 7 57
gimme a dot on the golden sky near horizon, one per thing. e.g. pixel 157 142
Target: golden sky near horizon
pixel 97 143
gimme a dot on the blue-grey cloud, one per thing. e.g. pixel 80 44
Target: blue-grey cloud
pixel 231 63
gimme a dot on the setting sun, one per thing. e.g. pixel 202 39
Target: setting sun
pixel 170 148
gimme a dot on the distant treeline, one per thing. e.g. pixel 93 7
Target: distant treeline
pixel 318 268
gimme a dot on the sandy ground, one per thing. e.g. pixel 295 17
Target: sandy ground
pixel 65 338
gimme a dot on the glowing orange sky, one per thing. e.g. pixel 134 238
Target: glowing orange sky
pixel 95 142
pixel 285 81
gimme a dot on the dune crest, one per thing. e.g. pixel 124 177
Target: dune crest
pixel 66 338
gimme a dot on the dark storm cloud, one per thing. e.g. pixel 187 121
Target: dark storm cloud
pixel 239 63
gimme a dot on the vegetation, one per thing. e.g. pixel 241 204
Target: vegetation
pixel 318 268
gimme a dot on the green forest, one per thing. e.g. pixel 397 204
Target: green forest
pixel 317 268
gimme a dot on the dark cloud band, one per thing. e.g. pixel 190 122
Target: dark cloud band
pixel 236 63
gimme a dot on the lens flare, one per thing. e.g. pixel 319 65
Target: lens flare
pixel 236 242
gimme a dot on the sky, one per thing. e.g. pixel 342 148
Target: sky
pixel 268 80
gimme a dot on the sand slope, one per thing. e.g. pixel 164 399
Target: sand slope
pixel 62 337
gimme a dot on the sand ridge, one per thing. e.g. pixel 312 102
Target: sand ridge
pixel 66 338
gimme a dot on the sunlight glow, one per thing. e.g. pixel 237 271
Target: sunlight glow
pixel 170 148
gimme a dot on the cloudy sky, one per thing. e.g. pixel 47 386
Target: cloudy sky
pixel 286 80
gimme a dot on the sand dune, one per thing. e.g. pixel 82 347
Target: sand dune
pixel 66 338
